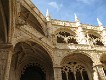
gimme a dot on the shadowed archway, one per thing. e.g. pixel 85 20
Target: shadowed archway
pixel 31 58
pixel 33 73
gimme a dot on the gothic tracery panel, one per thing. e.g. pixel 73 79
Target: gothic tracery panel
pixel 94 40
pixel 74 71
pixel 65 37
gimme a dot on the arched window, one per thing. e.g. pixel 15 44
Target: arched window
pixel 95 40
pixel 74 71
pixel 65 37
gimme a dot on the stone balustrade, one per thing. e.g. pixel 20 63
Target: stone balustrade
pixel 80 47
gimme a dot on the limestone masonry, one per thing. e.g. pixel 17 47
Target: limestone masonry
pixel 34 47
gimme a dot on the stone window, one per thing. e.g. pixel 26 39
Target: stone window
pixel 74 71
pixel 95 40
pixel 65 37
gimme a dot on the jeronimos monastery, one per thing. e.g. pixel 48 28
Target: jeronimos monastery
pixel 34 47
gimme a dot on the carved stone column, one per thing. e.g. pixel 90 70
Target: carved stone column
pixel 5 61
pixel 3 57
pixel 57 73
pixel 81 36
pixel 95 73
pixel 99 72
pixel 104 37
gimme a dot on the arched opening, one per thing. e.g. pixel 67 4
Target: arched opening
pixel 33 73
pixel 65 37
pixel 74 67
pixel 27 54
pixel 95 39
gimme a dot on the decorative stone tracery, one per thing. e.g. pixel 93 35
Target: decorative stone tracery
pixel 65 37
pixel 94 40
pixel 73 68
pixel 74 71
pixel 43 44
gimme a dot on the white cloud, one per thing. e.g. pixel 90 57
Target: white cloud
pixel 86 1
pixel 55 5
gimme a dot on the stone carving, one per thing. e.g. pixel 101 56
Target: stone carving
pixel 74 38
pixel 20 21
pixel 74 69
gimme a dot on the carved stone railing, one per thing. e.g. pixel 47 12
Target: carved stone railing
pixel 63 23
pixel 87 26
pixel 73 24
pixel 80 47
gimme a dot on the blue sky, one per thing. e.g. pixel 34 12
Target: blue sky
pixel 86 10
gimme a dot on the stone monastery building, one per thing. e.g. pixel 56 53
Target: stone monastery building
pixel 34 47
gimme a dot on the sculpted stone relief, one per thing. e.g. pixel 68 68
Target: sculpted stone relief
pixel 74 71
pixel 67 37
pixel 69 44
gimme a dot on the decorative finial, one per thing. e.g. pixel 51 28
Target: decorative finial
pixel 99 23
pixel 48 18
pixel 77 20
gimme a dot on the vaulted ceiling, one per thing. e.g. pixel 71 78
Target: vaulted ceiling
pixel 8 14
pixel 7 19
pixel 29 18
pixel 4 20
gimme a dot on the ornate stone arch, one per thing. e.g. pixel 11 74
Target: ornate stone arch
pixel 94 33
pixel 81 62
pixel 36 40
pixel 65 35
pixel 94 38
pixel 65 29
pixel 31 53
pixel 30 14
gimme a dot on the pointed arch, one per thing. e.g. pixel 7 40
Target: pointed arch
pixel 77 66
pixel 31 53
pixel 95 38
pixel 64 35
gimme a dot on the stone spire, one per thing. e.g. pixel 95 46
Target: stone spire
pixel 48 18
pixel 100 24
pixel 77 20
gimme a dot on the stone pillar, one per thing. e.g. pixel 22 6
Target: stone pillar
pixel 5 61
pixel 95 73
pixel 99 72
pixel 81 36
pixel 104 37
pixel 57 73
pixel 8 64
pixel 3 57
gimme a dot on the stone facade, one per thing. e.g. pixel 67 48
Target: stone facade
pixel 57 50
